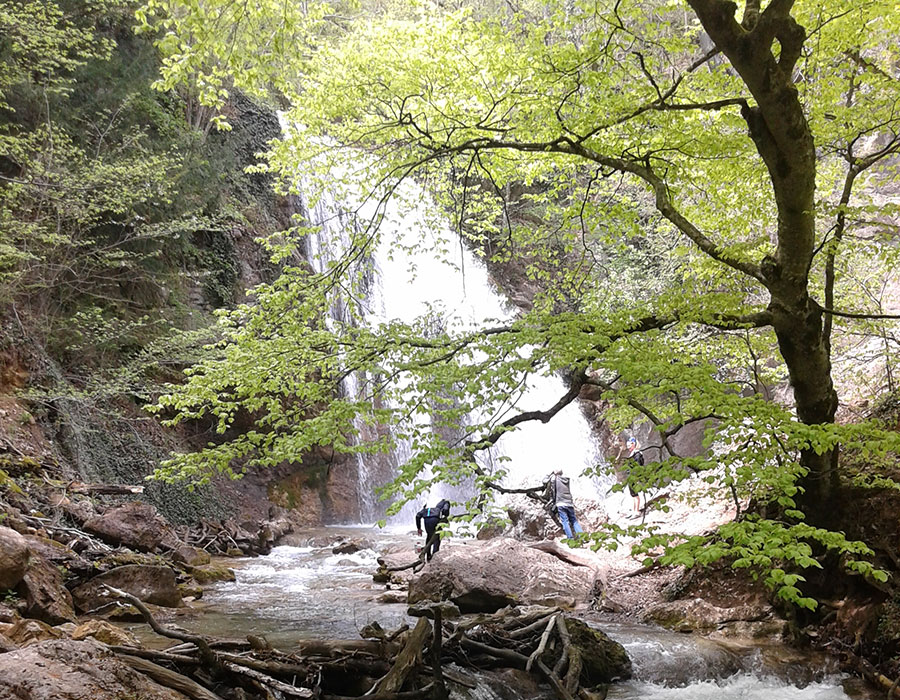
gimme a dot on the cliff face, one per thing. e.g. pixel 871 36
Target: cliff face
pixel 155 227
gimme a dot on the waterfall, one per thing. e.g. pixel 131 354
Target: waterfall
pixel 405 278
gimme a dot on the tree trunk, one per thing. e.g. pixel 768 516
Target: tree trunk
pixel 779 128
pixel 804 348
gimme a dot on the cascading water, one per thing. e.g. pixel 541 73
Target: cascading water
pixel 405 279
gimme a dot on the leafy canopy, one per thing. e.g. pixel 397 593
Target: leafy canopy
pixel 600 151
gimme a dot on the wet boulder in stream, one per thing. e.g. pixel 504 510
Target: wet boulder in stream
pixel 487 576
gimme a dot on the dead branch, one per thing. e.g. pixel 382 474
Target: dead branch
pixel 207 656
pixel 268 681
pixel 168 678
pixel 406 660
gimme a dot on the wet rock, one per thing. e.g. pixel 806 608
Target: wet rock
pixel 603 659
pixel 13 558
pixel 487 576
pixel 64 669
pixel 696 614
pixel 151 584
pixel 189 556
pixel 351 546
pixel 105 632
pixel 211 573
pixel 46 598
pixel 390 597
pixel 136 525
pixel 23 632
pixel 194 592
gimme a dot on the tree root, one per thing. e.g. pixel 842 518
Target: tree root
pixel 409 667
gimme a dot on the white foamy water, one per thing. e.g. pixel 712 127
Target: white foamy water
pixel 297 592
pixel 742 686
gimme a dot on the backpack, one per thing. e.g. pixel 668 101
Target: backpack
pixel 441 510
pixel 638 457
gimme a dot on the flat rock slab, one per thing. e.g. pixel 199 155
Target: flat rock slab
pixel 63 669
pixel 486 576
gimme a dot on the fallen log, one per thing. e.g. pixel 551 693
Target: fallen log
pixel 106 489
pixel 168 678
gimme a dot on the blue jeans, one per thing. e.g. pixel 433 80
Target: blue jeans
pixel 569 521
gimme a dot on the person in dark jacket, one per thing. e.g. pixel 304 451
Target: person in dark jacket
pixel 432 517
pixel 561 495
pixel 631 444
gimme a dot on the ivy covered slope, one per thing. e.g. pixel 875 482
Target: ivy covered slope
pixel 123 218
pixel 744 155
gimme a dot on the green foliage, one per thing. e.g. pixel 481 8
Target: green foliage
pixel 775 550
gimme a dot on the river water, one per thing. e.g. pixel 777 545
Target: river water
pixel 308 592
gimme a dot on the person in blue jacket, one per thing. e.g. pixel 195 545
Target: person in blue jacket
pixel 432 517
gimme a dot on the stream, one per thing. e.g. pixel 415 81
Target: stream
pixel 307 591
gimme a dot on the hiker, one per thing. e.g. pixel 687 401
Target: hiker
pixel 432 517
pixel 631 445
pixel 561 496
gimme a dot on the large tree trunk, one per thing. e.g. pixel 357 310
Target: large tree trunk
pixel 781 133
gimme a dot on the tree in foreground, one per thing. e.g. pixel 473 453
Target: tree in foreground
pixel 740 152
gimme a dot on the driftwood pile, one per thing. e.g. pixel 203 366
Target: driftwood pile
pixel 408 664
pixel 229 538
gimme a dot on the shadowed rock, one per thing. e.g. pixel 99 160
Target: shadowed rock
pixel 151 584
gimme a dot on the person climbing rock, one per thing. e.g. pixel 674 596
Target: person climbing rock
pixel 560 494
pixel 432 517
pixel 633 457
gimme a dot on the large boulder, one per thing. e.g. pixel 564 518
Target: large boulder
pixel 64 669
pixel 136 525
pixel 45 595
pixel 13 558
pixel 151 584
pixel 487 576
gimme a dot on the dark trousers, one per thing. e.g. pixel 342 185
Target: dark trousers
pixel 432 538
